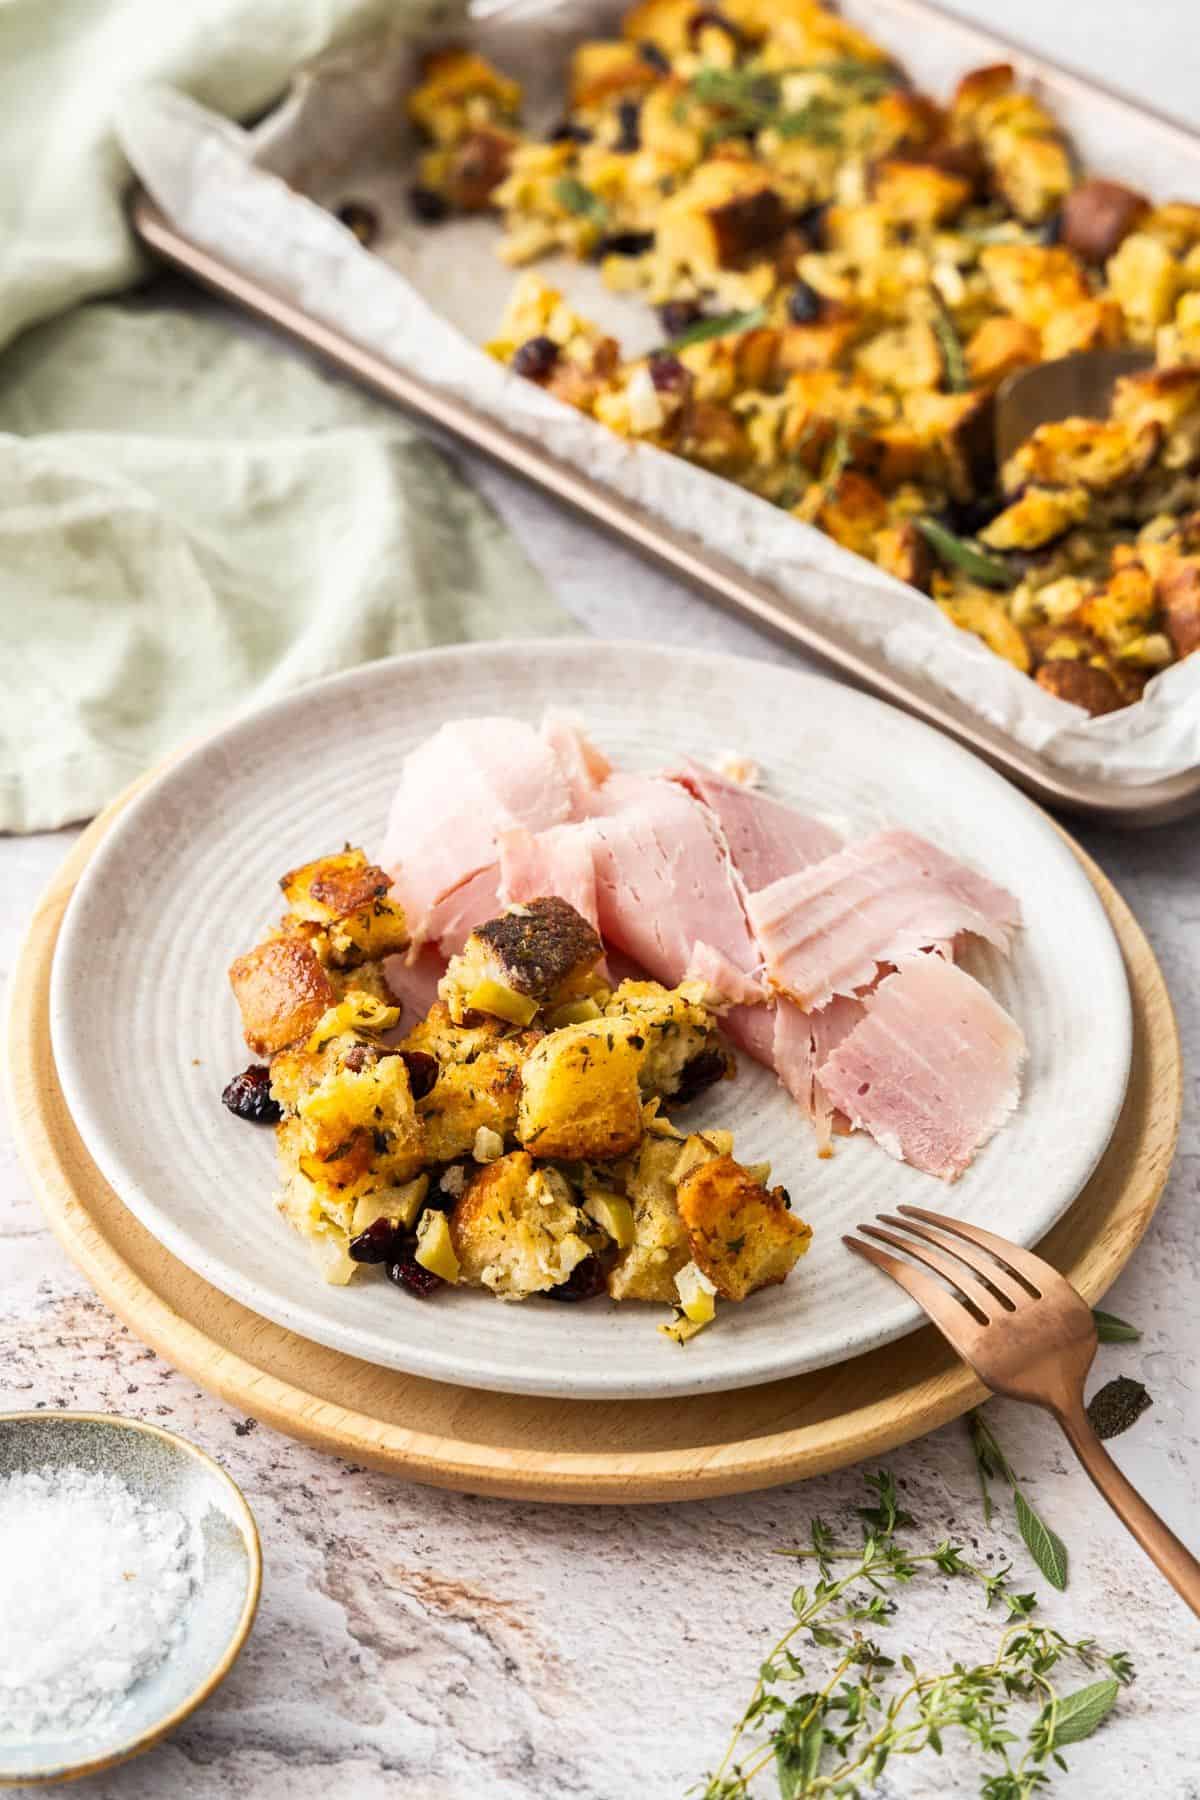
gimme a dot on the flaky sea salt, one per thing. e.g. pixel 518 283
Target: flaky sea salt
pixel 94 1587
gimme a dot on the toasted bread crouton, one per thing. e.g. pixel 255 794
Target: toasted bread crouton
pixel 918 193
pixel 347 897
pixel 983 613
pixel 281 990
pixel 1091 325
pixel 725 212
pixel 349 1142
pixel 902 551
pixel 1170 399
pixel 1097 454
pixel 483 1094
pixel 517 1230
pixel 1144 277
pixel 1178 587
pixel 1037 518
pixel 957 432
pixel 999 348
pixel 1034 281
pixel 438 1035
pixel 682 1051
pixel 647 1269
pixel 1082 684
pixel 460 89
pixel 850 509
pixel 741 1234
pixel 536 955
pixel 580 1095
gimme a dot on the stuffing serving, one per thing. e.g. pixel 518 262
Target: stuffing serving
pixel 478 1053
pixel 844 270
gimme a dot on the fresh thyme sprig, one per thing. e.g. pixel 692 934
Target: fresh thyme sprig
pixel 836 1738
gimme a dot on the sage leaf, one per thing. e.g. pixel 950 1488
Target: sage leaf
pixel 1111 1330
pixel 1078 1714
pixel 1045 1546
pixel 970 557
pixel 721 325
pixel 576 198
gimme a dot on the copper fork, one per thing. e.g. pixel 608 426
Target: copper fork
pixel 1026 1333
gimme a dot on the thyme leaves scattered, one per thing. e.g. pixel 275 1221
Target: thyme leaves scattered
pixel 832 1729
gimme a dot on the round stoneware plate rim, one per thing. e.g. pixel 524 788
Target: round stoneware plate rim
pixel 307 1311
pixel 99 1757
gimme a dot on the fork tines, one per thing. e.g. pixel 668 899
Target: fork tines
pixel 986 1276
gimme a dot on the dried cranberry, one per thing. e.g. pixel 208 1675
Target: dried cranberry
pixel 626 243
pixel 423 1071
pixel 804 304
pixel 629 124
pixel 585 1281
pixel 359 219
pixel 668 373
pixel 407 1273
pixel 360 1057
pixel 536 358
pixel 705 1068
pixel 707 18
pixel 248 1096
pixel 655 58
pixel 677 315
pixel 427 206
pixel 812 222
pixel 382 1241
pixel 568 132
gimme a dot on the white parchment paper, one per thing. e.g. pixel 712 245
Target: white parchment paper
pixel 426 298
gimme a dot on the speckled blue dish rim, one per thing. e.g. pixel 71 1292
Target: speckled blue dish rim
pixel 111 1754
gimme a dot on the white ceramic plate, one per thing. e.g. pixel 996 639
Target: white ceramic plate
pixel 145 1031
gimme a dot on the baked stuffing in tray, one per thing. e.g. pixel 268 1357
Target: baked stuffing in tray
pixel 844 271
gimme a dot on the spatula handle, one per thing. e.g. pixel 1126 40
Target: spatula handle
pixel 1159 1542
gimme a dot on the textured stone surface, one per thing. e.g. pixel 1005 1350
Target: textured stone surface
pixel 426 1644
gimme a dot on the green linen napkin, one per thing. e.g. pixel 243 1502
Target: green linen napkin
pixel 190 521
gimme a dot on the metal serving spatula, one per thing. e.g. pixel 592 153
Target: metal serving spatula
pixel 1074 387
pixel 1026 1333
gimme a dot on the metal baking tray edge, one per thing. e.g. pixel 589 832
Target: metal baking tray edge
pixel 1107 802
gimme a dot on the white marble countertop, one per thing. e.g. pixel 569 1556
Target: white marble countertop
pixel 415 1642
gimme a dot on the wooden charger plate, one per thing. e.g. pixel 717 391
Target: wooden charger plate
pixel 529 1448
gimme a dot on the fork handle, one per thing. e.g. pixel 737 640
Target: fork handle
pixel 1172 1557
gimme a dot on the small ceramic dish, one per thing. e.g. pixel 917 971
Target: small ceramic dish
pixel 163 1468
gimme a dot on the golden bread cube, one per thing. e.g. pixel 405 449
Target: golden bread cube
pixel 580 1096
pixel 282 992
pixel 517 1230
pixel 742 1235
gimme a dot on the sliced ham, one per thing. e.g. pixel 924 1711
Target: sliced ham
pixel 663 881
pixel 792 1054
pixel 752 1029
pixel 932 1069
pixel 827 929
pixel 451 920
pixel 830 1026
pixel 413 985
pixel 471 780
pixel 766 839
pixel 558 861
pixel 724 979
pixel 583 767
